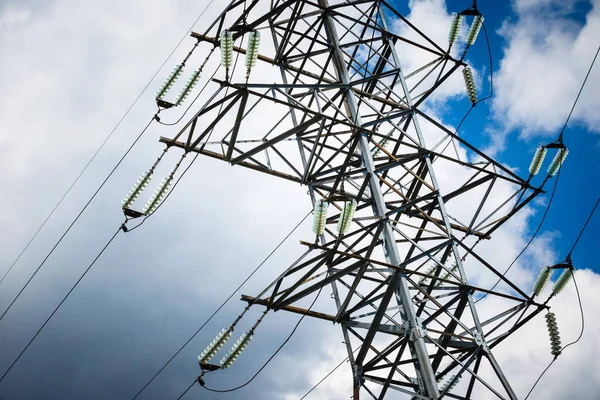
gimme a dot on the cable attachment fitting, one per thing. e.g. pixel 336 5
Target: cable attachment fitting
pixel 554 334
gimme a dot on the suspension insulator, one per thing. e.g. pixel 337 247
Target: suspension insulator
pixel 470 84
pixel 238 347
pixel 226 49
pixel 450 384
pixel 429 271
pixel 562 281
pixel 554 334
pixel 377 149
pixel 189 86
pixel 346 216
pixel 541 281
pixel 558 161
pixel 158 196
pixel 474 30
pixel 454 28
pixel 214 346
pixel 252 49
pixel 320 216
pixel 537 161
pixel 169 82
pixel 448 273
pixel 137 189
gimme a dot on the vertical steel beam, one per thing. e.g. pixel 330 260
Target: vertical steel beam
pixel 417 347
pixel 446 221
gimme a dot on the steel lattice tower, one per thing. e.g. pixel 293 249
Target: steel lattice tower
pixel 331 104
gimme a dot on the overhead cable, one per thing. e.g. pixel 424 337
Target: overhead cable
pixel 60 304
pixel 222 305
pixel 76 218
pixel 104 142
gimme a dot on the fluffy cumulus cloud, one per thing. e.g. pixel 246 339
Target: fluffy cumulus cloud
pixel 73 71
pixel 546 57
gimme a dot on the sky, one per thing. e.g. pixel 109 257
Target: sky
pixel 69 72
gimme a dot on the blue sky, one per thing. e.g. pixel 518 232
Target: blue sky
pixel 73 70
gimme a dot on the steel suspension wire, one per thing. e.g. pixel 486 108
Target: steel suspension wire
pixel 222 305
pixel 77 218
pixel 569 344
pixel 269 359
pixel 187 390
pixel 539 378
pixel 560 138
pixel 583 229
pixel 480 100
pixel 197 154
pixel 325 377
pixel 60 304
pixel 535 233
pixel 578 300
pixel 579 93
pixel 103 143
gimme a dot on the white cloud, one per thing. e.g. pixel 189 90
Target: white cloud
pixel 85 66
pixel 543 66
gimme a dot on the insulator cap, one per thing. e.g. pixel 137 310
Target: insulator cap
pixel 189 86
pixel 538 159
pixel 238 347
pixel 226 44
pixel 454 28
pixel 474 30
pixel 214 346
pixel 137 189
pixel 346 216
pixel 562 281
pixel 541 280
pixel 470 84
pixel 252 49
pixel 558 161
pixel 320 216
pixel 169 82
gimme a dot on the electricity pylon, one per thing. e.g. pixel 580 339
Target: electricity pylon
pixel 336 99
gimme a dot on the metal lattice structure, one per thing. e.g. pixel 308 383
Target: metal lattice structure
pixel 333 104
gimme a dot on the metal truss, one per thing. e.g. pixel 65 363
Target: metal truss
pixel 332 105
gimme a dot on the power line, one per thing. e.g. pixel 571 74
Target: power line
pixel 222 305
pixel 539 378
pixel 187 390
pixel 537 230
pixel 325 377
pixel 568 258
pixel 61 303
pixel 560 138
pixel 270 358
pixel 103 143
pixel 579 94
pixel 76 218
pixel 583 229
pixel 570 344
pixel 482 99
